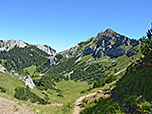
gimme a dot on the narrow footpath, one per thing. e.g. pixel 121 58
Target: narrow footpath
pixel 8 106
pixel 78 107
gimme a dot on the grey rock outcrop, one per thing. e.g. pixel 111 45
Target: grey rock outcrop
pixel 51 61
pixel 28 81
pixel 10 44
pixel 46 49
pixel 98 53
pixel 2 69
pixel 88 50
pixel 70 51
pixel 116 52
pixel 131 53
pixel 109 43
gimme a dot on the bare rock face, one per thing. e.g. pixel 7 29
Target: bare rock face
pixel 51 61
pixel 70 51
pixel 28 81
pixel 10 44
pixel 116 52
pixel 109 43
pixel 89 50
pixel 46 49
pixel 2 69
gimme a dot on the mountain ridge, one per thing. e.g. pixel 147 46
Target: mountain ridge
pixel 94 62
pixel 11 43
pixel 6 45
pixel 102 44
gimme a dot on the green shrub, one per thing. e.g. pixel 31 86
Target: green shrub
pixel 22 93
pixel 99 83
pixel 110 78
pixel 84 102
pixel 103 106
pixel 131 100
pixel 2 89
pixel 146 107
pixel 68 106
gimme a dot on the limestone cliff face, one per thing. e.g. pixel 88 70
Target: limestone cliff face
pixel 46 49
pixel 28 82
pixel 2 69
pixel 10 44
pixel 70 51
pixel 111 44
pixel 51 61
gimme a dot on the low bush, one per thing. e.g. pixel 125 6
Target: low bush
pixel 103 81
pixel 22 93
pixel 99 83
pixel 110 78
pixel 68 106
pixel 2 89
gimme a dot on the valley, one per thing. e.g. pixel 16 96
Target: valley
pixel 108 73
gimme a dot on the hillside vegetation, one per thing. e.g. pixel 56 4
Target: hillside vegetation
pixel 99 62
pixel 92 60
pixel 132 93
pixel 19 58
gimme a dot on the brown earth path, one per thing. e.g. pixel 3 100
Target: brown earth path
pixel 11 107
pixel 78 108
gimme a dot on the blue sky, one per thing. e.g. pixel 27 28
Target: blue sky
pixel 61 24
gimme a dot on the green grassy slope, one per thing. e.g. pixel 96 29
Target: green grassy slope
pixel 132 94
pixel 70 91
pixel 30 70
pixel 10 83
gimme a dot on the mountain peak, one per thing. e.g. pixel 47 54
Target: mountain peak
pixel 9 44
pixel 108 30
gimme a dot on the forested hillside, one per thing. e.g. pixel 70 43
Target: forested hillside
pixel 95 59
pixel 20 58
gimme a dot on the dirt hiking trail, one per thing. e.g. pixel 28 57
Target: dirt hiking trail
pixel 78 107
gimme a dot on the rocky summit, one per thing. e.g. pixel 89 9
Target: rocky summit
pixel 10 44
pixel 107 43
pixel 110 43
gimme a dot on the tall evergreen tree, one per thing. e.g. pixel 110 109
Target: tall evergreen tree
pixel 146 45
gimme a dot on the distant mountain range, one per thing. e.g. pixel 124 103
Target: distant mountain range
pixel 106 46
pixel 10 44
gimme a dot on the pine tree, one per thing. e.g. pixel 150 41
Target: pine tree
pixel 146 44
